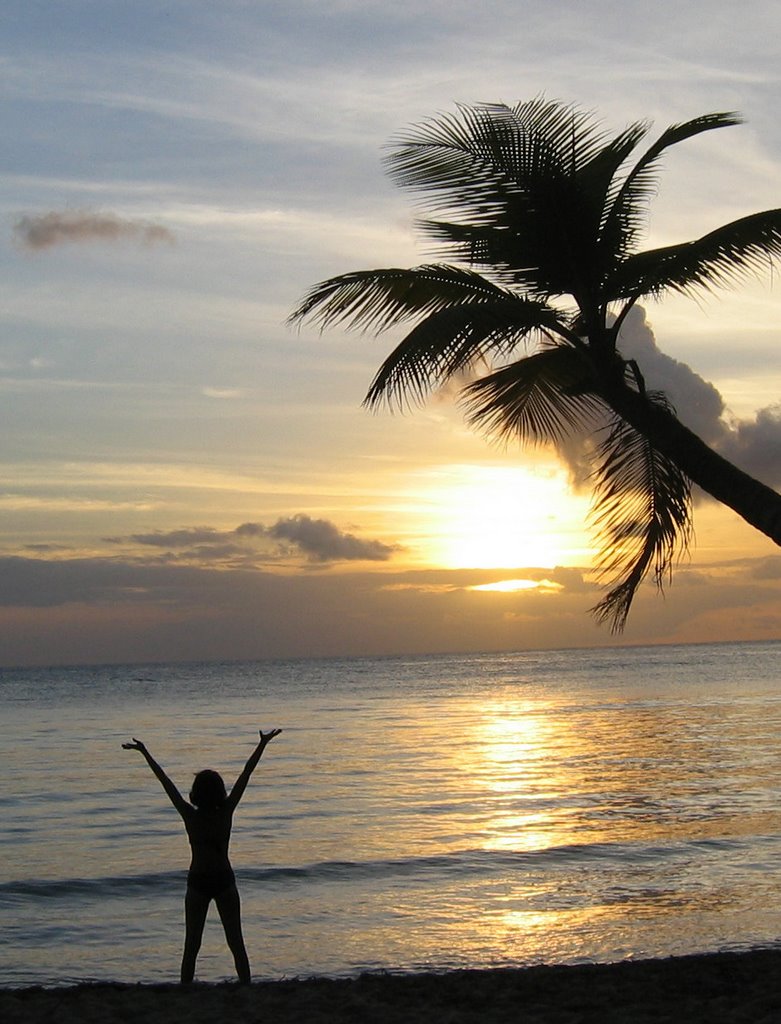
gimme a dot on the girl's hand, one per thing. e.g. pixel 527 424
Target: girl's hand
pixel 135 745
pixel 267 737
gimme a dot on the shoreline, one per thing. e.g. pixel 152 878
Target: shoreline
pixel 717 988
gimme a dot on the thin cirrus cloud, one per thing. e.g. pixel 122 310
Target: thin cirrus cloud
pixel 58 227
pixel 318 540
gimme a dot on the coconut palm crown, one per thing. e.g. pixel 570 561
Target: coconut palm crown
pixel 539 213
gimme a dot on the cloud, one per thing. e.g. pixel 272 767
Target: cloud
pixel 98 609
pixel 177 538
pixel 42 231
pixel 251 530
pixel 768 568
pixel 321 541
pixel 754 445
pixel 224 394
pixel 318 540
pixel 697 402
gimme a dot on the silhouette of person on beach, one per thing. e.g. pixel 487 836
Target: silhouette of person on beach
pixel 208 818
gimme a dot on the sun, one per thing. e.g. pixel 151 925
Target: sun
pixel 497 517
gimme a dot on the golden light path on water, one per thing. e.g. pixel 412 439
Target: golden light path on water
pixel 543 768
pixel 515 767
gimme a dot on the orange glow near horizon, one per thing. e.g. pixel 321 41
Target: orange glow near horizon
pixel 511 586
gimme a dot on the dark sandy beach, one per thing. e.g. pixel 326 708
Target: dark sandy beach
pixel 719 989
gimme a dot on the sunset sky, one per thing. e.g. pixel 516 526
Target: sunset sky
pixel 186 477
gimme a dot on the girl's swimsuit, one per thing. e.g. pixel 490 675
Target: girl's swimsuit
pixel 211 883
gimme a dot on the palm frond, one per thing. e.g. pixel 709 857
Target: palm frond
pixel 744 246
pixel 464 161
pixel 628 207
pixel 529 260
pixel 569 136
pixel 642 514
pixel 472 153
pixel 482 245
pixel 451 340
pixel 601 174
pixel 377 300
pixel 539 399
pixel 524 189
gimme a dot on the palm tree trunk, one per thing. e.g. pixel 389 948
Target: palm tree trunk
pixel 755 502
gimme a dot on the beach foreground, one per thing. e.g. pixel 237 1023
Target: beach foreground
pixel 727 988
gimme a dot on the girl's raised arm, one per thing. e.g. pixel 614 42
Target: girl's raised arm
pixel 241 783
pixel 174 795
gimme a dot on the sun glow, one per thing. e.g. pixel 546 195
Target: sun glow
pixel 494 517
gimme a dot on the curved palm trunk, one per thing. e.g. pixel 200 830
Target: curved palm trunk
pixel 755 502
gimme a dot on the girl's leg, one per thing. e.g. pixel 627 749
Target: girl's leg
pixel 196 906
pixel 229 908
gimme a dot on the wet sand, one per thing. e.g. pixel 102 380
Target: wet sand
pixel 727 988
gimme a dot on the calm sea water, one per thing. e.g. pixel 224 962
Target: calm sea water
pixel 419 813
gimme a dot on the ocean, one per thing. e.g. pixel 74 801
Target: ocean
pixel 421 813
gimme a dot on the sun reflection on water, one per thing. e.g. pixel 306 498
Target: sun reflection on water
pixel 513 757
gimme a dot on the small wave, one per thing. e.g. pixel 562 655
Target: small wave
pixel 89 888
pixel 476 862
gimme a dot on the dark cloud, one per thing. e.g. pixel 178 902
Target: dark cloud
pixel 99 610
pixel 318 540
pixel 755 445
pixel 218 552
pixel 42 231
pixel 178 538
pixel 250 530
pixel 321 541
pixel 87 610
pixel 51 582
pixel 768 568
pixel 48 583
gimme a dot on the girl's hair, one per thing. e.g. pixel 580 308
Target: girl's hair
pixel 208 790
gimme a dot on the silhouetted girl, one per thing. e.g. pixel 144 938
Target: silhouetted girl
pixel 208 819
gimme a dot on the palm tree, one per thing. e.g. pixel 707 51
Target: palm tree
pixel 540 212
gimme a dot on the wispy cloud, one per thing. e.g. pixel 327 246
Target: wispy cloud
pixel 223 394
pixel 59 227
